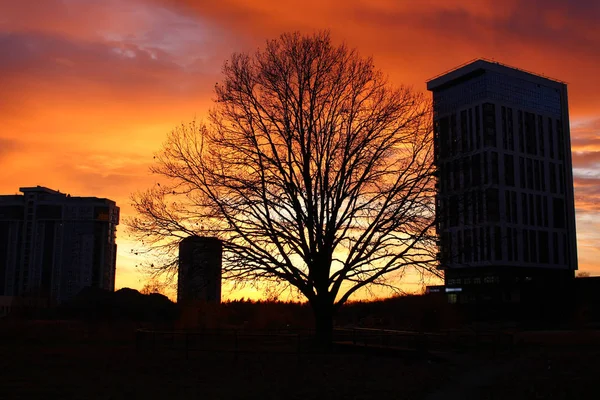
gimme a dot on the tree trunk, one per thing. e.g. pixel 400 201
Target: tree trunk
pixel 323 325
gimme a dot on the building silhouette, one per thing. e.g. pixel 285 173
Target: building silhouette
pixel 505 204
pixel 53 245
pixel 199 276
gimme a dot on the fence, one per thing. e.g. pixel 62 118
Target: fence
pixel 224 341
pixel 296 342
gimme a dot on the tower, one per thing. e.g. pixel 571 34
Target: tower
pixel 199 276
pixel 505 204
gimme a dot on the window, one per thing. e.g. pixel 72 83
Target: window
pixel 468 246
pixel 509 243
pixel 507 206
pixel 524 214
pixel 529 173
pixel 454 144
pixel 482 244
pixel 541 135
pixel 565 249
pixel 539 210
pixel 466 162
pixel 485 169
pixel 492 204
pixel 531 210
pixel 521 135
pixel 480 206
pixel 525 245
pixel 543 175
pixel 530 134
pixel 477 127
pixel 473 204
pixel 532 246
pixel 550 138
pixel 515 245
pixel 475 245
pixel 552 177
pixel 561 178
pixel 545 210
pixel 511 139
pixel 489 124
pixel 476 168
pixel 522 172
pixel 455 175
pixel 509 170
pixel 558 211
pixel 504 129
pixel 560 140
pixel 488 238
pixel 497 243
pixel 471 130
pixel 460 247
pixel 495 174
pixel 513 197
pixel 544 250
pixel 445 139
pixel 555 247
pixel 466 207
pixel 536 174
pixel 464 133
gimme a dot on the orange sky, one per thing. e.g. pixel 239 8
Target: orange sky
pixel 88 90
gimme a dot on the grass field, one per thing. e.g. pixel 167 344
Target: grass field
pixel 47 362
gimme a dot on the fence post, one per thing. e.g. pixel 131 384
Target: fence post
pixel 138 340
pixel 187 345
pixel 235 338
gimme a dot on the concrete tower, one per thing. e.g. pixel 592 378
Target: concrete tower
pixel 199 277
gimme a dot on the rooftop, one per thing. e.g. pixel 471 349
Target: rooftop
pixel 479 66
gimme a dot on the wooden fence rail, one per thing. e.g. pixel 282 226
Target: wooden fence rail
pixel 296 342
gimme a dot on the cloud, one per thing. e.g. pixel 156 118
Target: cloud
pixel 89 89
pixel 7 146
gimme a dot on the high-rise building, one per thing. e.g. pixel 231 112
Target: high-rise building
pixel 199 277
pixel 53 245
pixel 505 203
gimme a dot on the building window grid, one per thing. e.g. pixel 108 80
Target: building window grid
pixel 538 173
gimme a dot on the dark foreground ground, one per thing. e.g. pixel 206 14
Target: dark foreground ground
pixel 96 368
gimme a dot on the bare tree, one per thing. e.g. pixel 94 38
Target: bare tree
pixel 153 286
pixel 312 169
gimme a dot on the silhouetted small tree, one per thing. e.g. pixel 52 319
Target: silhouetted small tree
pixel 312 169
pixel 152 286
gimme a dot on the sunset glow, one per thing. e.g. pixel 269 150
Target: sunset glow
pixel 89 90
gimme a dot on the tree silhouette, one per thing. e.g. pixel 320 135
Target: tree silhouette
pixel 312 169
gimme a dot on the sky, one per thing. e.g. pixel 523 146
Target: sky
pixel 90 88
